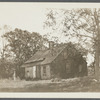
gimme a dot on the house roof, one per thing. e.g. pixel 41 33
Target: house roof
pixel 42 57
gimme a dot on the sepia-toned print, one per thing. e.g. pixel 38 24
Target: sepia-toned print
pixel 49 48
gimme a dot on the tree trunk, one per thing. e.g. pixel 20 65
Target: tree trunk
pixel 14 75
pixel 97 46
pixel 97 63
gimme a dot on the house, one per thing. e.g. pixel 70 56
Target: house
pixel 56 62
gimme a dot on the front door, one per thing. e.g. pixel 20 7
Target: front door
pixel 34 71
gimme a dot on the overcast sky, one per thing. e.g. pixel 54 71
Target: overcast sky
pixel 30 16
pixel 24 16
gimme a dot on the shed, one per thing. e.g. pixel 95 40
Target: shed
pixel 56 62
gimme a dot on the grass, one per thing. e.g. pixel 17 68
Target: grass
pixel 85 84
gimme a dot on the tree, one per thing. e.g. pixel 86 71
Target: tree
pixel 84 24
pixel 6 68
pixel 21 46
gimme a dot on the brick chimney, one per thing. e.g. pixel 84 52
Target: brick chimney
pixel 51 47
pixel 51 44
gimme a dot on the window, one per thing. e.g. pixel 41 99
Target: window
pixel 68 66
pixel 44 70
pixel 65 55
pixel 80 68
pixel 28 74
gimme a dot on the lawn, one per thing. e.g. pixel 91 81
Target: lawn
pixel 85 84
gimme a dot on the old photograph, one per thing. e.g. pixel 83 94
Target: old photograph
pixel 49 48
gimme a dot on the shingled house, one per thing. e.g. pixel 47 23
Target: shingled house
pixel 60 61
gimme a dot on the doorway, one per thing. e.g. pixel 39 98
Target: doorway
pixel 34 71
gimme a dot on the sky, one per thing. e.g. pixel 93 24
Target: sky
pixel 30 16
pixel 23 16
pixel 27 17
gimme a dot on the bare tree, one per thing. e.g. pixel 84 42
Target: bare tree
pixel 84 24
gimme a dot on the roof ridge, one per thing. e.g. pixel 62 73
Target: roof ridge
pixel 59 53
pixel 45 54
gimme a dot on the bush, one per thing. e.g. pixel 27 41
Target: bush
pixel 55 80
pixel 6 68
pixel 90 71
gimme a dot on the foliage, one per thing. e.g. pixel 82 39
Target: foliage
pixel 82 23
pixel 6 68
pixel 21 46
pixel 78 23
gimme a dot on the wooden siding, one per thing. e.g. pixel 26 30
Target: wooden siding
pixel 47 74
pixel 65 67
pixel 58 67
pixel 29 70
pixel 38 72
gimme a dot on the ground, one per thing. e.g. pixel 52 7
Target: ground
pixel 85 84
